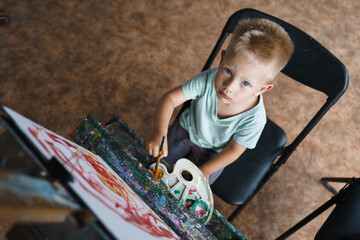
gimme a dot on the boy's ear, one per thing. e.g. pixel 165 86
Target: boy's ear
pixel 223 53
pixel 265 88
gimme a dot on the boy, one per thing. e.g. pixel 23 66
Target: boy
pixel 227 115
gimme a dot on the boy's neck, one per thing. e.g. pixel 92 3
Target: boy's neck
pixel 228 110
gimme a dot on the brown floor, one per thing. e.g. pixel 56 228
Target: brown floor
pixel 60 60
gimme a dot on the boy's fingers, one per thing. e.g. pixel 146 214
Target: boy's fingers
pixel 165 151
pixel 150 151
pixel 162 155
pixel 155 152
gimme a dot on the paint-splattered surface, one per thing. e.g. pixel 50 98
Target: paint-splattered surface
pixel 124 151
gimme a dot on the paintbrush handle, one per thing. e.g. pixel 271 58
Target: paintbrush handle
pixel 161 145
pixel 160 152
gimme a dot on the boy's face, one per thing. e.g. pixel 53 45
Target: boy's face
pixel 240 79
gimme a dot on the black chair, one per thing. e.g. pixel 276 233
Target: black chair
pixel 344 221
pixel 312 65
pixel 325 182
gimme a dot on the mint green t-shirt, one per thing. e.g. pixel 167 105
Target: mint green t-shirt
pixel 204 126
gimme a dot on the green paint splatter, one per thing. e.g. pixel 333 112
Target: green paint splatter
pixel 96 134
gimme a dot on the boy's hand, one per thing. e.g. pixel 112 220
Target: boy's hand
pixel 153 145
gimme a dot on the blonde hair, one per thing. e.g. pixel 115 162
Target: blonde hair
pixel 267 41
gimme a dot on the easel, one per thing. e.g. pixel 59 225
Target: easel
pixel 31 196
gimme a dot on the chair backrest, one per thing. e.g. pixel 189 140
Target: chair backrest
pixel 344 220
pixel 311 64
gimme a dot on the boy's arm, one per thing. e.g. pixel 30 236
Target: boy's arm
pixel 229 154
pixel 165 108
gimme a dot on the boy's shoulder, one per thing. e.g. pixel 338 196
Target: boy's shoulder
pixel 208 76
pixel 199 84
pixel 202 79
pixel 209 73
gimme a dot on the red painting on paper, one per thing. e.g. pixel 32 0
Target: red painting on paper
pixel 115 204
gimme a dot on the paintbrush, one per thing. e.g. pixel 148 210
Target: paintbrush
pixel 160 152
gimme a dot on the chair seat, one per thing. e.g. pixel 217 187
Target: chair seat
pixel 252 165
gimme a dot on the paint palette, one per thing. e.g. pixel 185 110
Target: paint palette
pixel 190 187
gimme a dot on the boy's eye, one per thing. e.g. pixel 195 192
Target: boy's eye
pixel 245 83
pixel 228 71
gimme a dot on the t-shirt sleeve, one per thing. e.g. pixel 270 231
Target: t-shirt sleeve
pixel 195 86
pixel 249 134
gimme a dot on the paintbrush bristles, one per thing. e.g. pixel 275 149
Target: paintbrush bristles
pixel 157 163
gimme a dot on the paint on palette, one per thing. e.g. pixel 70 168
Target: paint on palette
pixel 190 186
pixel 200 209
pixel 192 190
pixel 107 195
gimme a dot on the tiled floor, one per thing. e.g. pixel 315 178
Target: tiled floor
pixel 60 60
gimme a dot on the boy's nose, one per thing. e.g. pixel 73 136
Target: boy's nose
pixel 229 84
